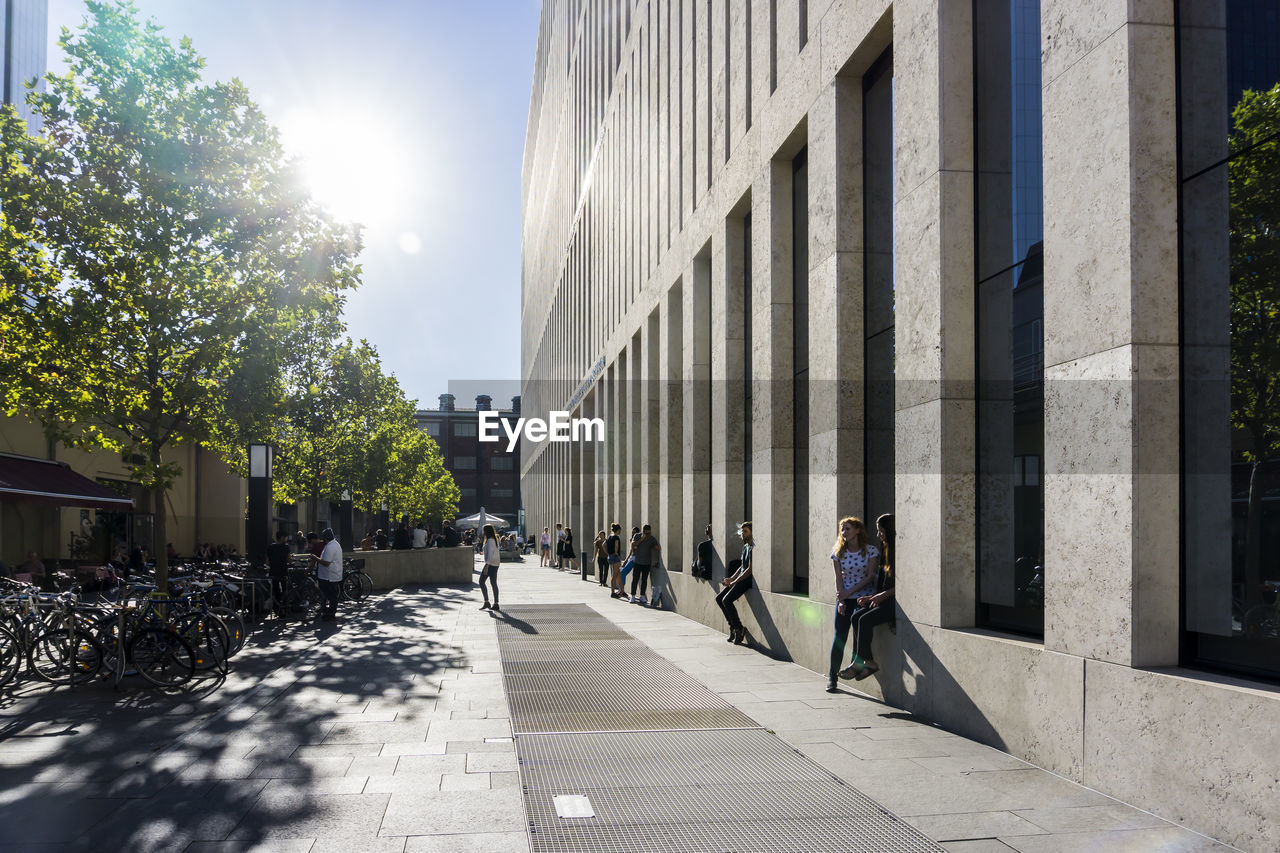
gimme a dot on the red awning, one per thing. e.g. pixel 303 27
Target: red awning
pixel 31 480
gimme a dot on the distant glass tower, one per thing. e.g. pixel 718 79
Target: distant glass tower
pixel 24 28
pixel 1028 159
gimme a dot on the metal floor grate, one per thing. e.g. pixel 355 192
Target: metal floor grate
pixel 666 763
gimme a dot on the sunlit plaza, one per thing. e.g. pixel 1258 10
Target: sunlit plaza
pixel 426 425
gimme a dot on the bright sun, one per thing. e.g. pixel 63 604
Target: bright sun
pixel 354 165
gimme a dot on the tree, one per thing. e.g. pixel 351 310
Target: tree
pixel 168 251
pixel 1254 175
pixel 349 429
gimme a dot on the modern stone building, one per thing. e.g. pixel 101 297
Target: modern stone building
pixel 1001 269
pixel 486 473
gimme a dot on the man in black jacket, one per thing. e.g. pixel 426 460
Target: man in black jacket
pixel 278 554
pixel 706 555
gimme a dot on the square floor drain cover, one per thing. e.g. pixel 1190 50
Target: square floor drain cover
pixel 573 805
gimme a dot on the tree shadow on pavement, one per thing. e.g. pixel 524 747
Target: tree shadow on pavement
pixel 298 717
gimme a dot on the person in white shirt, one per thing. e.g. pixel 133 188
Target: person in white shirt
pixel 419 536
pixel 329 573
pixel 492 560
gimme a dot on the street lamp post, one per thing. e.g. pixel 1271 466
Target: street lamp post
pixel 257 531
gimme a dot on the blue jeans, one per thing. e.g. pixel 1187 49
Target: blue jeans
pixel 844 621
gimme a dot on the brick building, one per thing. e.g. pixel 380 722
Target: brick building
pixel 487 475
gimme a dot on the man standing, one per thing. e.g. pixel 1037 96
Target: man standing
pixel 278 567
pixel 559 547
pixel 329 573
pixel 644 552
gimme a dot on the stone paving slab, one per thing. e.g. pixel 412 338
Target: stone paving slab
pixel 390 731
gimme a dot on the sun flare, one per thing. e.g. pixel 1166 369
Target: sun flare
pixel 354 165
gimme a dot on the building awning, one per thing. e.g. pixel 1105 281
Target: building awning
pixel 30 480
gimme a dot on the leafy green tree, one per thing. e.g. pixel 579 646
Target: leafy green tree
pixel 349 429
pixel 184 250
pixel 1254 177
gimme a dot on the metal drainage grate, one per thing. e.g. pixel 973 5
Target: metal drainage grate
pixel 668 765
pixel 712 791
pixel 568 669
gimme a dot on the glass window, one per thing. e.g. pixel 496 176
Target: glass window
pixel 1229 116
pixel 432 428
pixel 501 493
pixel 800 389
pixel 1009 297
pixel 878 293
pixel 468 493
pixel 465 429
pixel 502 463
pixel 464 463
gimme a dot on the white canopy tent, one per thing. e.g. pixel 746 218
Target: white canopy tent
pixel 479 520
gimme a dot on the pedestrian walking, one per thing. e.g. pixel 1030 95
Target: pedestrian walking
pixel 492 560
pixel 329 573
pixel 278 554
pixel 644 550
pixel 875 609
pixel 736 585
pixel 602 558
pixel 856 565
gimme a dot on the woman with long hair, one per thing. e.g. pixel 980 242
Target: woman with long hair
pixel 856 566
pixel 875 609
pixel 492 560
pixel 613 552
pixel 736 585
pixel 570 554
pixel 602 558
pixel 545 542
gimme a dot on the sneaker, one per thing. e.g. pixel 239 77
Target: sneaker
pixel 851 671
pixel 631 600
pixel 832 687
pixel 486 606
pixel 495 607
pixel 869 670
pixel 643 600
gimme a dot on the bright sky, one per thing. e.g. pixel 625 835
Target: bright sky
pixel 410 116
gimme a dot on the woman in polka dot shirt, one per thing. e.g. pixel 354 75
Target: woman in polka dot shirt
pixel 856 564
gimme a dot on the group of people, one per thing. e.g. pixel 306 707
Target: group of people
pixel 326 560
pixel 407 536
pixel 864 580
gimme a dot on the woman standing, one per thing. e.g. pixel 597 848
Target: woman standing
pixel 492 560
pixel 855 563
pixel 736 585
pixel 545 541
pixel 571 555
pixel 602 558
pixel 613 552
pixel 875 609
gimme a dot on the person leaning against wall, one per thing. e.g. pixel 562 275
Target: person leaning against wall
pixel 736 586
pixel 876 609
pixel 857 565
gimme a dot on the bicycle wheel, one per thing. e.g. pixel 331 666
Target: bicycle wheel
pixel 366 583
pixel 236 631
pixel 208 638
pixel 10 656
pixel 351 588
pixel 64 657
pixel 162 657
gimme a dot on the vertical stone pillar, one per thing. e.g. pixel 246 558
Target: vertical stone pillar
pixel 650 424
pixel 772 377
pixel 934 237
pixel 836 331
pixel 635 433
pixel 1111 334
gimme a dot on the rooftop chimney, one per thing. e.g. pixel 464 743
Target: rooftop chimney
pixel 446 402
pixel 482 402
pixel 515 404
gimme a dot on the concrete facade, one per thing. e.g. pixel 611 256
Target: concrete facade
pixel 659 243
pixel 23 48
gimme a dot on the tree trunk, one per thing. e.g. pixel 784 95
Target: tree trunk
pixel 1253 540
pixel 159 525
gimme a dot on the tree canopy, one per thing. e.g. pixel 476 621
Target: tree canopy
pixel 158 253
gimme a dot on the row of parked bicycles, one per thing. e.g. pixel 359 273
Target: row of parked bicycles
pixel 126 627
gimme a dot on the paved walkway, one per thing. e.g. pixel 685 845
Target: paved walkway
pixel 390 732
